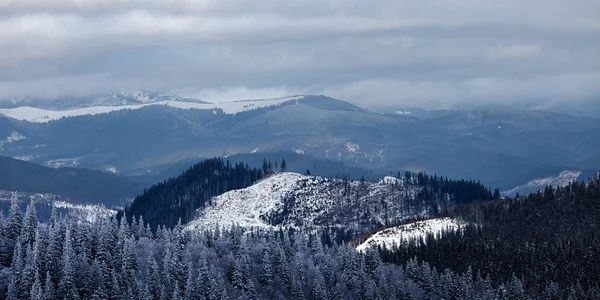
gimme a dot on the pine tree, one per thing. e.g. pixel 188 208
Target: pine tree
pixel 283 165
pixel 266 278
pixel 36 292
pixel 66 285
pixel 30 223
pixel 49 290
pixel 11 232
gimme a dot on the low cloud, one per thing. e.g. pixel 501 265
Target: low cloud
pixel 513 52
pixel 375 54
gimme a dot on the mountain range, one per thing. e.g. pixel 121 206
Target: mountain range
pixel 488 143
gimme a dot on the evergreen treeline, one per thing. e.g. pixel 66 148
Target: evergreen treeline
pixel 111 260
pixel 550 240
pixel 178 198
pixel 460 191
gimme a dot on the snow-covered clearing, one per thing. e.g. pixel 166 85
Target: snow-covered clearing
pixel 396 236
pixel 294 200
pixel 563 179
pixel 38 115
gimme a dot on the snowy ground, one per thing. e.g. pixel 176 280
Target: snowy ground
pixel 89 213
pixel 404 233
pixel 37 115
pixel 563 179
pixel 63 163
pixel 14 136
pixel 245 206
pixel 295 200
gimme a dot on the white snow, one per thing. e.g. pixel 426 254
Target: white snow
pixel 402 112
pixel 254 151
pixel 311 202
pixel 37 115
pixel 27 157
pixel 399 235
pixel 299 151
pixel 14 136
pixel 245 206
pixel 352 147
pixel 563 179
pixel 111 169
pixel 63 162
pixel 89 213
pixel 391 180
pixel 79 212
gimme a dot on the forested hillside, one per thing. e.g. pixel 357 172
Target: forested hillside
pixel 297 200
pixel 110 260
pixel 549 240
pixel 178 198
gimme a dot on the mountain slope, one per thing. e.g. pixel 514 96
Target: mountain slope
pixel 488 143
pixel 562 179
pixel 176 199
pixel 107 99
pixel 291 199
pixel 38 115
pixel 78 185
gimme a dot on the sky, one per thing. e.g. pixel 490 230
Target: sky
pixel 429 54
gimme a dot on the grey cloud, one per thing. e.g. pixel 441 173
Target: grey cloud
pixel 374 53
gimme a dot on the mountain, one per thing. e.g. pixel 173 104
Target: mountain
pixel 215 191
pixel 39 114
pixel 176 199
pixel 107 99
pixel 295 200
pixel 488 143
pixel 77 186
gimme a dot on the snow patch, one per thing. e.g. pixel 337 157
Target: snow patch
pixel 352 147
pixel 14 136
pixel 63 162
pixel 37 115
pixel 563 179
pixel 299 151
pixel 27 157
pixel 403 112
pixel 254 151
pixel 391 180
pixel 111 169
pixel 89 213
pixel 400 235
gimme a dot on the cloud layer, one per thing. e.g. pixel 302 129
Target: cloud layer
pixel 381 53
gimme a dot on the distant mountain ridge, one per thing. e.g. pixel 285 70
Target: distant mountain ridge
pixel 78 186
pixel 105 99
pixel 488 143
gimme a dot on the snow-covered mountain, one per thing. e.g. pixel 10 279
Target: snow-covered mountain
pixel 562 179
pixel 40 115
pixel 295 200
pixel 488 144
pixel 105 99
pixel 402 234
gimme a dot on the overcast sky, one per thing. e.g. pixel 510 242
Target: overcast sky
pixel 403 53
